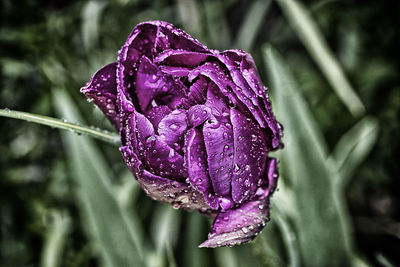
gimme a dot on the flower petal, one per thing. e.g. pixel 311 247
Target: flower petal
pixel 242 224
pixel 157 156
pixel 175 71
pixel 180 195
pixel 197 93
pixel 249 158
pixel 172 128
pixel 131 159
pixel 244 74
pixel 238 225
pixel 144 129
pixel 222 80
pixel 151 85
pixel 102 90
pixel 198 114
pixel 181 58
pixel 174 38
pixel 156 114
pixel 196 160
pixel 152 37
pixel 218 139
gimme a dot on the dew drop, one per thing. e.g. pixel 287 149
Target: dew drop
pixel 173 126
pixel 150 139
pixel 236 168
pixel 226 147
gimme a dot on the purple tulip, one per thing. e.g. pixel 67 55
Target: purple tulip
pixel 196 127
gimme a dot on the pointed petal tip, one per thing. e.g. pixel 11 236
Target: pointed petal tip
pixel 226 240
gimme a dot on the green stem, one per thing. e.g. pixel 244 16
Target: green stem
pixel 62 124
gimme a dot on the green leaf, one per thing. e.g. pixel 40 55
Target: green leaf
pixel 251 24
pixel 352 149
pixel 309 33
pixel 106 221
pixel 321 232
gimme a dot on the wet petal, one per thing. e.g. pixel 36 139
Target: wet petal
pixel 152 37
pixel 144 129
pixel 218 104
pixel 174 38
pixel 175 71
pixel 140 42
pixel 102 90
pixel 156 114
pixel 126 72
pixel 218 138
pixel 222 80
pixel 198 114
pixel 172 128
pixel 249 157
pixel 181 58
pixel 242 224
pixel 128 131
pixel 196 160
pixel 244 74
pixel 131 159
pixel 250 74
pixel 153 88
pixel 197 93
pixel 180 195
pixel 238 225
pixel 272 179
pixel 163 160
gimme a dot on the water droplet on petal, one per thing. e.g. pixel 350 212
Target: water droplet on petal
pixel 236 168
pixel 150 139
pixel 226 147
pixel 173 126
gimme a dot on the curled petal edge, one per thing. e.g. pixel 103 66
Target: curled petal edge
pixel 102 90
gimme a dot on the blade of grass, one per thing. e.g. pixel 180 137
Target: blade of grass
pixel 62 124
pixel 225 257
pixel 55 239
pixel 251 24
pixel 165 233
pixel 266 250
pixel 194 256
pixel 309 33
pixel 216 24
pixel 188 11
pixel 165 227
pixel 91 14
pixel 288 237
pixel 105 220
pixel 352 148
pixel 309 175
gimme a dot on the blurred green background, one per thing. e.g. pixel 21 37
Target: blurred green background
pixel 333 70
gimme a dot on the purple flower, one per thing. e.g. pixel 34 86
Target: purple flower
pixel 196 127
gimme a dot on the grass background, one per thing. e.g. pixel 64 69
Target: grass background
pixel 333 70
